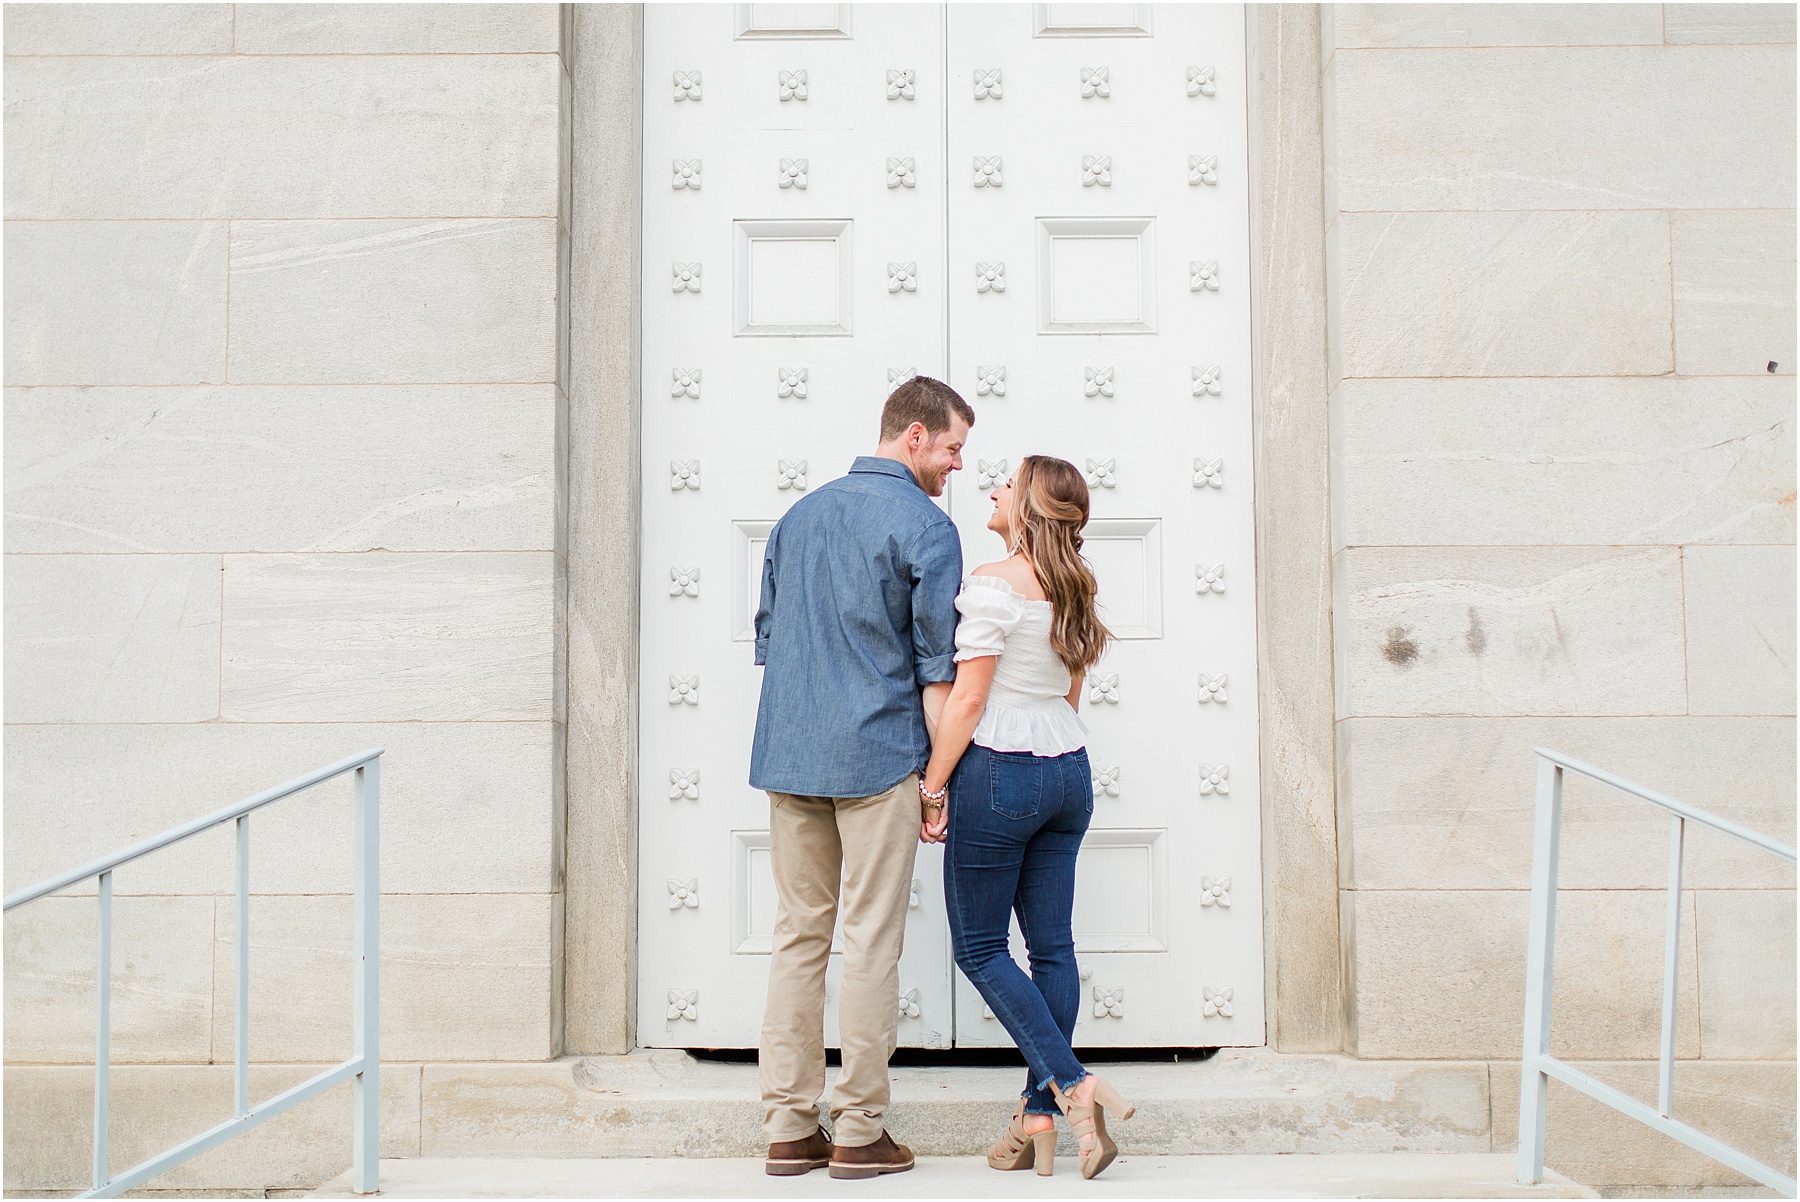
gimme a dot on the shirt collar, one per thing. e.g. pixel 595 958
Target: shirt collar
pixel 885 467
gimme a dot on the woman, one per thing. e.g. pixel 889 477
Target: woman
pixel 1008 789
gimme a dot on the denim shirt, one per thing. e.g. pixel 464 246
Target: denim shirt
pixel 858 614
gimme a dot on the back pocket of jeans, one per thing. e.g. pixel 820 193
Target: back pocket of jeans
pixel 1018 782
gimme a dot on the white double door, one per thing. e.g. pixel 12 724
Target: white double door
pixel 1047 207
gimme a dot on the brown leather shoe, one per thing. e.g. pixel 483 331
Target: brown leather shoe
pixel 797 1157
pixel 870 1160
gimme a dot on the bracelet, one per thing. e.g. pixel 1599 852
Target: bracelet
pixel 928 795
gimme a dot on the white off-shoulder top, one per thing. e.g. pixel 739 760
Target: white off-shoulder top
pixel 1027 708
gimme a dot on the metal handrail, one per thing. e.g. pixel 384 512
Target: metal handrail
pixel 1537 1064
pixel 362 1069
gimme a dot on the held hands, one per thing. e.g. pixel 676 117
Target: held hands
pixel 933 825
pixel 934 812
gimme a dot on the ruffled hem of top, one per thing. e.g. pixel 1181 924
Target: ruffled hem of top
pixel 1041 732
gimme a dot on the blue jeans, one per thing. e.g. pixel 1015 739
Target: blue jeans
pixel 1016 822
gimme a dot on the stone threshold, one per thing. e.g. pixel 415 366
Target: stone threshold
pixel 1241 1101
pixel 1343 1175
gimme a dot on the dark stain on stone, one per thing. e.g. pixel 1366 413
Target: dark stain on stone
pixel 1476 638
pixel 1399 650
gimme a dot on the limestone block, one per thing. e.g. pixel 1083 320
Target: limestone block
pixel 560 492
pixel 1747 973
pixel 1442 973
pixel 559 684
pixel 1734 290
pixel 1502 294
pixel 117 29
pixel 470 977
pixel 393 302
pixel 579 1106
pixel 465 807
pixel 1293 552
pixel 115 302
pixel 1586 462
pixel 423 468
pixel 1254 1100
pixel 397 29
pixel 1509 630
pixel 463 977
pixel 1599 127
pixel 112 638
pixel 283 137
pixel 557 993
pixel 605 561
pixel 1390 25
pixel 380 637
pixel 50 1123
pixel 1748 1105
pixel 1724 23
pixel 1447 803
pixel 162 967
pixel 1241 1100
pixel 1740 629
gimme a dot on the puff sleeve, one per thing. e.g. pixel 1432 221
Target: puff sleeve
pixel 990 611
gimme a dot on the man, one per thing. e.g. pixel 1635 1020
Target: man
pixel 857 631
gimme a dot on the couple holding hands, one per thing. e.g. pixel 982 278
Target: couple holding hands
pixel 902 703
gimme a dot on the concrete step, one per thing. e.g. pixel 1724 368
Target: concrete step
pixel 662 1103
pixel 1350 1175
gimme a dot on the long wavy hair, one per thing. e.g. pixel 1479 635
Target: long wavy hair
pixel 1049 509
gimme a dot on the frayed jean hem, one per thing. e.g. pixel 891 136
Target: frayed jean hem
pixel 1064 1086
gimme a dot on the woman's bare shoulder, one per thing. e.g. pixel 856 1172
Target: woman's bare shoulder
pixel 1015 571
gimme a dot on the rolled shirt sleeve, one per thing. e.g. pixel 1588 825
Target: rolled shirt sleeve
pixel 936 559
pixel 765 608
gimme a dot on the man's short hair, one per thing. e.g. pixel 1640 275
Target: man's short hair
pixel 926 401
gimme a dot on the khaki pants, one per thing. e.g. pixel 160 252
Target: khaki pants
pixel 814 842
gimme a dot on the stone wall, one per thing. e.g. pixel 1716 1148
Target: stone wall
pixel 283 429
pixel 1560 261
